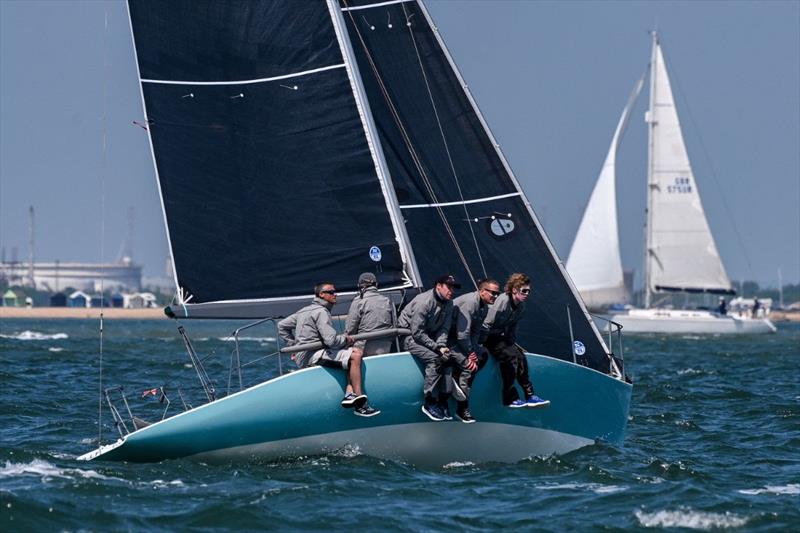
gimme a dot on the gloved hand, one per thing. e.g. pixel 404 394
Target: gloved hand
pixel 444 351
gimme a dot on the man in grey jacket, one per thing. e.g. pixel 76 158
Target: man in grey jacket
pixel 429 317
pixel 370 311
pixel 313 323
pixel 467 336
pixel 501 322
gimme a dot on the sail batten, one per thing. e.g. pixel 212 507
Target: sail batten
pixel 246 82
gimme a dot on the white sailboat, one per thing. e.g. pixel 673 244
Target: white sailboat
pixel 680 253
pixel 301 141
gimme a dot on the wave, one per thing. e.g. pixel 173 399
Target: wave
pixel 690 519
pixel 791 488
pixel 35 336
pixel 597 488
pixel 55 349
pixel 45 470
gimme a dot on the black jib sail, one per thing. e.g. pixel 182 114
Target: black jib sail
pixel 268 181
pixel 463 209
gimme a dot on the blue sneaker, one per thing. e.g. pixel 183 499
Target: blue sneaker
pixel 535 401
pixel 445 409
pixel 516 404
pixel 434 412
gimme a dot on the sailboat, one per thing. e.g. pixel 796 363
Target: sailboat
pixel 680 252
pixel 295 142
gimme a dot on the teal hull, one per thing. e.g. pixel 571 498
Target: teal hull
pixel 299 414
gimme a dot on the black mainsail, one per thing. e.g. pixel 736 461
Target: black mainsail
pixel 267 178
pixel 295 141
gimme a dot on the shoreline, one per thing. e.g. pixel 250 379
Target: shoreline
pixel 151 313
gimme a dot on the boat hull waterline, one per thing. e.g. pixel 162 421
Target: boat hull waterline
pixel 688 321
pixel 298 414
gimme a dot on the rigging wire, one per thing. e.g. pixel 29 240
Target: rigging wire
pixel 412 151
pixel 102 224
pixel 444 141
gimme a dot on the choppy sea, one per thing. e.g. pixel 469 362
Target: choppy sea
pixel 713 443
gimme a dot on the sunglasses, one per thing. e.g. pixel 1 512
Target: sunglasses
pixel 524 291
pixel 329 291
pixel 493 293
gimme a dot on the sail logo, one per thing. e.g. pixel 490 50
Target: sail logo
pixel 681 185
pixel 579 348
pixel 375 254
pixel 501 227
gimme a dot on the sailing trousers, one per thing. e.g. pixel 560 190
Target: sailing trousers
pixel 465 377
pixel 513 367
pixel 434 365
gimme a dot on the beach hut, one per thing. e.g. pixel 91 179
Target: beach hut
pixel 78 299
pixel 117 300
pixel 10 299
pixel 58 299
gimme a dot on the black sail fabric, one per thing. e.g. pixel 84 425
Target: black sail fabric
pixel 438 152
pixel 267 179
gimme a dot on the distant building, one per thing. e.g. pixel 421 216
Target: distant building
pixel 78 299
pixel 59 299
pixel 55 276
pixel 10 299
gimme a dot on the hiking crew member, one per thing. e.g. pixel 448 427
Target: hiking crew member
pixel 313 323
pixel 370 311
pixel 501 323
pixel 429 317
pixel 466 336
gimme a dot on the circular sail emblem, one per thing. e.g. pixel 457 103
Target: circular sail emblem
pixel 375 254
pixel 580 349
pixel 501 226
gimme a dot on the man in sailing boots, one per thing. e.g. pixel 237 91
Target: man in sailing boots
pixel 501 323
pixel 429 317
pixel 466 336
pixel 313 323
pixel 370 311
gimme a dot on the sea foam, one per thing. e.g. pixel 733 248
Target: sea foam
pixel 35 336
pixel 791 488
pixel 690 519
pixel 46 470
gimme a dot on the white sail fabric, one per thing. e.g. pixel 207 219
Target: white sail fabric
pixel 594 261
pixel 681 250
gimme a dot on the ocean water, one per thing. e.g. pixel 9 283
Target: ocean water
pixel 713 443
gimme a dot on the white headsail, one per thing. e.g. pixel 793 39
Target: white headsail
pixel 681 254
pixel 594 261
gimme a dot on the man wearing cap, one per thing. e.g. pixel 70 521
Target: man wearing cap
pixel 313 323
pixel 370 311
pixel 466 336
pixel 501 323
pixel 429 317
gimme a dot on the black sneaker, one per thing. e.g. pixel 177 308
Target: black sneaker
pixel 445 410
pixel 366 411
pixel 353 400
pixel 465 416
pixel 433 412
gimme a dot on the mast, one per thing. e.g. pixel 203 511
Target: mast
pixel 651 124
pixel 381 168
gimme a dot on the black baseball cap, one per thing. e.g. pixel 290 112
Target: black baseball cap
pixel 448 279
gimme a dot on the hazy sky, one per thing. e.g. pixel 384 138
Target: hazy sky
pixel 551 78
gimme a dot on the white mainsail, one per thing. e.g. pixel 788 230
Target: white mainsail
pixel 594 262
pixel 681 254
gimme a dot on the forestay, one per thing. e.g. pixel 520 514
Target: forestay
pixel 594 262
pixel 463 209
pixel 267 178
pixel 682 255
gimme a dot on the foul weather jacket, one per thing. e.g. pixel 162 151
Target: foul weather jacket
pixel 369 311
pixel 312 323
pixel 468 330
pixel 503 318
pixel 429 318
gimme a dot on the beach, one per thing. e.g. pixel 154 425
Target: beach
pixel 82 312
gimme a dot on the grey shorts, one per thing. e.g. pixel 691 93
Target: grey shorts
pixel 332 358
